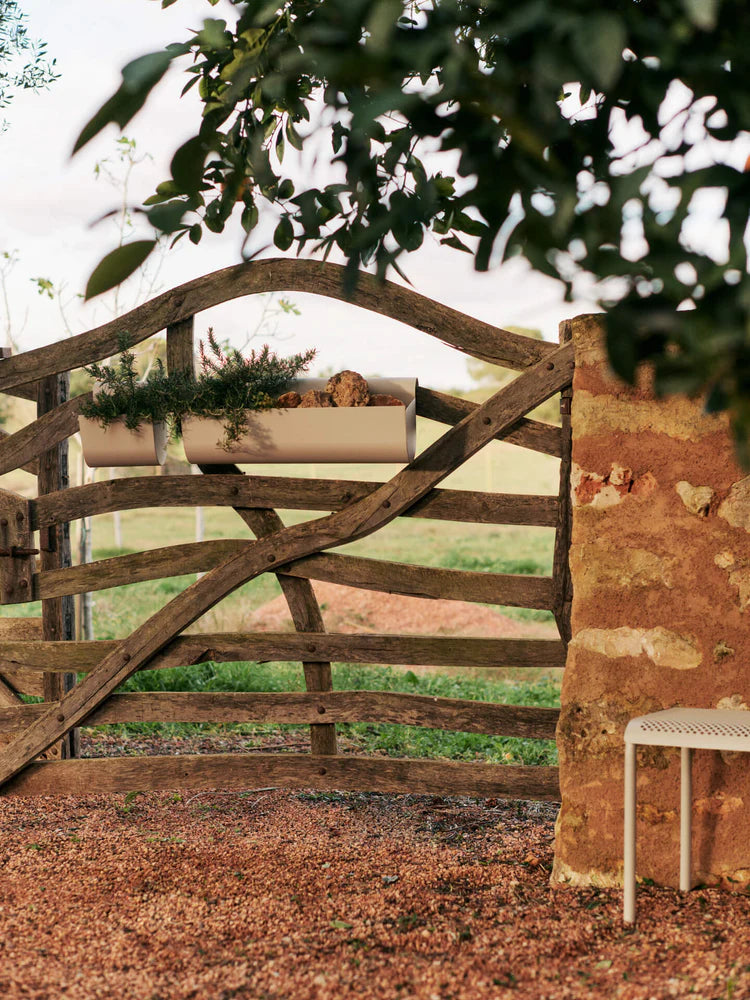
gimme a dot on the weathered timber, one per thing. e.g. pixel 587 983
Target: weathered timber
pixel 209 771
pixel 455 447
pixel 9 695
pixel 33 465
pixel 302 707
pixel 24 681
pixel 465 333
pixel 20 628
pixel 58 613
pixel 17 631
pixel 532 434
pixel 264 647
pixel 284 493
pixel 560 561
pixel 503 589
pixel 153 564
pixel 180 346
pixel 43 434
pixel 16 560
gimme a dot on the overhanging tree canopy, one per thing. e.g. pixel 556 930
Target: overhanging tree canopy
pixel 452 116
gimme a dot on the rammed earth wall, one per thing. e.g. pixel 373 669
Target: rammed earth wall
pixel 660 559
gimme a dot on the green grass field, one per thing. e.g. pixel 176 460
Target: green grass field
pixel 497 548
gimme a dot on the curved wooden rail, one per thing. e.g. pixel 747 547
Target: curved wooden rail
pixel 465 333
pixel 292 543
pixel 526 433
pixel 281 647
pixel 38 437
pixel 502 589
pixel 305 708
pixel 285 493
pixel 288 770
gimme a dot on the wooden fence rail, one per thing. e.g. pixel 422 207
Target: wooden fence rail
pixel 34 663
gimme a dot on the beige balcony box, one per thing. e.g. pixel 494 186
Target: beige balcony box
pixel 326 434
pixel 116 444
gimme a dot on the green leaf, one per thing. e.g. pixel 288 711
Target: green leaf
pixel 340 925
pixel 118 265
pixel 295 139
pixel 598 41
pixel 139 78
pixel 213 36
pixel 283 237
pixel 455 242
pixel 286 189
pixel 167 216
pixel 187 164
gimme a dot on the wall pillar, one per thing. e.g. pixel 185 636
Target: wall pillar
pixel 660 561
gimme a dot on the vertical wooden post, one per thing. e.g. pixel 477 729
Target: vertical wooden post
pixel 58 613
pixel 180 346
pixel 560 563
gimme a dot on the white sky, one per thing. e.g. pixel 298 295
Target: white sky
pixel 48 202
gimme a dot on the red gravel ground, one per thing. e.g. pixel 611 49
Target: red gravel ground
pixel 273 895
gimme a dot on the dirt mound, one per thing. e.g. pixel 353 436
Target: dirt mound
pixel 346 609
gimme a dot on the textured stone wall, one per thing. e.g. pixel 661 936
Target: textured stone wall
pixel 660 559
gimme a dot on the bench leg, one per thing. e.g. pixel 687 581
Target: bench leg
pixel 628 914
pixel 686 816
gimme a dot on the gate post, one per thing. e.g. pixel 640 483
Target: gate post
pixel 660 560
pixel 58 613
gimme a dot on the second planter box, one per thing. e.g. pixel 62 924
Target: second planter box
pixel 311 434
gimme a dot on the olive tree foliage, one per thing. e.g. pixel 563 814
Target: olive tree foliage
pixel 23 62
pixel 555 129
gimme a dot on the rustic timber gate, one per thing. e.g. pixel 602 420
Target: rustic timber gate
pixel 41 657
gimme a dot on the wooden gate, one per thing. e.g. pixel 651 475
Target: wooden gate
pixel 42 658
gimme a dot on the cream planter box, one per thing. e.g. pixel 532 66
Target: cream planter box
pixel 312 434
pixel 116 444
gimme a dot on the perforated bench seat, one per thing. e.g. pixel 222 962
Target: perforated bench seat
pixel 690 729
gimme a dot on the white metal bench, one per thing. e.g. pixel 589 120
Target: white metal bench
pixel 691 729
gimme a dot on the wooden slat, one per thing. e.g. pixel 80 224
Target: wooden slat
pixel 16 572
pixel 284 493
pixel 39 437
pixel 9 695
pixel 180 346
pixel 210 771
pixel 304 708
pixel 58 613
pixel 20 628
pixel 263 647
pixel 502 589
pixel 465 333
pixel 153 564
pixel 33 465
pixel 564 529
pixel 295 542
pixel 533 434
pixel 24 681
